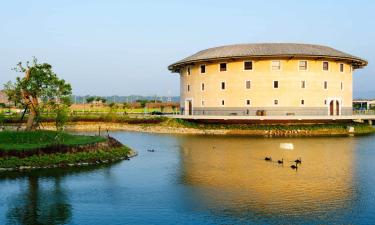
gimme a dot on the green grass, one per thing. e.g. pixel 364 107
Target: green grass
pixel 92 117
pixel 63 159
pixel 22 140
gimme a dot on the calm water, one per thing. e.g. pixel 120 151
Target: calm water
pixel 204 180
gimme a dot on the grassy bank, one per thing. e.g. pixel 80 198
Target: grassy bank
pixel 21 141
pixel 46 149
pixel 65 159
pixel 92 117
pixel 358 127
pixel 157 124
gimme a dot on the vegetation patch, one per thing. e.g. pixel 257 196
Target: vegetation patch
pixel 91 117
pixel 65 159
pixel 31 140
pixel 334 128
pixel 46 149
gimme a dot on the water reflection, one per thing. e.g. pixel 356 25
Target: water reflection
pixel 203 180
pixel 37 206
pixel 43 199
pixel 232 174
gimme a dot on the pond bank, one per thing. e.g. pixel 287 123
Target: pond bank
pixel 171 127
pixel 41 150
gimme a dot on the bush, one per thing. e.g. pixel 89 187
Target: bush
pixel 2 119
pixel 62 116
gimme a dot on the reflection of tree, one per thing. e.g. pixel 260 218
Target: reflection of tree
pixel 43 206
pixel 38 206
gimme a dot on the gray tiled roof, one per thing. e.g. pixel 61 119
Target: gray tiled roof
pixel 268 50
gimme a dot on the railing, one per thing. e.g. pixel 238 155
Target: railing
pixel 363 112
pixel 260 113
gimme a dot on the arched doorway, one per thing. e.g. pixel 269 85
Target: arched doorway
pixel 331 108
pixel 334 107
pixel 189 107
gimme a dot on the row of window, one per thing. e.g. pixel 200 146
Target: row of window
pixel 275 65
pixel 275 85
pixel 275 102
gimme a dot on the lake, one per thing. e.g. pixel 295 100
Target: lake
pixel 204 180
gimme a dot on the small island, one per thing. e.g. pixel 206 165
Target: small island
pixel 26 150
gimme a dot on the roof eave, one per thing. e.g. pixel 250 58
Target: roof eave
pixel 356 62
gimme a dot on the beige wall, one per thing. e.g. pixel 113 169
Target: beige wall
pixel 262 93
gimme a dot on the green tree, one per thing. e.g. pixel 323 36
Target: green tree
pixel 112 105
pixel 2 120
pixel 40 83
pixel 90 99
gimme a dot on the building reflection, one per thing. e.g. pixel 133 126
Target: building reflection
pixel 231 174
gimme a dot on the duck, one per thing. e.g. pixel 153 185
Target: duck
pixel 280 161
pixel 268 158
pixel 295 167
pixel 151 150
pixel 298 161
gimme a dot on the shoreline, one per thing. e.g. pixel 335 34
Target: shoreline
pixel 179 130
pixel 39 150
pixel 131 154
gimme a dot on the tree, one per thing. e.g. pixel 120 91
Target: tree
pixel 40 83
pixel 90 99
pixel 101 100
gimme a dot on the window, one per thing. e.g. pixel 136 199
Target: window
pixel 302 102
pixel 275 84
pixel 342 86
pixel 222 102
pixel 203 68
pixel 248 102
pixel 202 86
pixel 188 70
pixel 276 65
pixel 275 102
pixel 188 87
pixel 303 84
pixel 248 65
pixel 325 66
pixel 325 102
pixel 341 67
pixel 302 65
pixel 202 103
pixel 248 84
pixel 222 85
pixel 325 85
pixel 223 67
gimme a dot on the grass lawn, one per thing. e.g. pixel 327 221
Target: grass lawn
pixel 22 140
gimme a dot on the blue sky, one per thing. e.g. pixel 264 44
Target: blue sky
pixel 124 47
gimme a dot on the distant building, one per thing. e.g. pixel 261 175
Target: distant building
pixel 3 98
pixel 275 79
